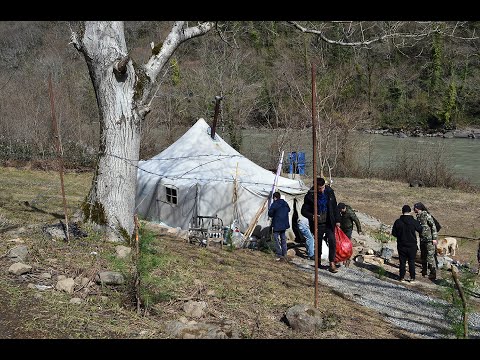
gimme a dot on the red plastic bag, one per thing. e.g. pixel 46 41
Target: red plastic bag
pixel 343 248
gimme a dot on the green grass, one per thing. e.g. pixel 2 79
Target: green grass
pixel 381 272
pixel 151 264
pixel 382 236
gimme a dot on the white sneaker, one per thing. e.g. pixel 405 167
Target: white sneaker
pixel 278 259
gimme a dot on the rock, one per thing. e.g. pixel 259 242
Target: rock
pixel 195 308
pixel 66 285
pixel 304 318
pixel 76 301
pixel 109 278
pixel 122 251
pixel 55 232
pixel 19 268
pixel 417 183
pixel 218 329
pixel 172 231
pixel 18 253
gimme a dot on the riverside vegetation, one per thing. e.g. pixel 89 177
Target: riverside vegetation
pixel 263 72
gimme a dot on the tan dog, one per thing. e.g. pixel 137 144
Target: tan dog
pixel 447 246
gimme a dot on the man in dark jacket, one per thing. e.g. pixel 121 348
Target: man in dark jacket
pixel 404 230
pixel 327 217
pixel 347 218
pixel 278 211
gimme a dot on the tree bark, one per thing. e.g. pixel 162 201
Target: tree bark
pixel 123 96
pixel 111 200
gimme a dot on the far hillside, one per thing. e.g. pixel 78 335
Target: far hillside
pixel 263 71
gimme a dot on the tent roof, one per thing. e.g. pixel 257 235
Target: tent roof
pixel 196 157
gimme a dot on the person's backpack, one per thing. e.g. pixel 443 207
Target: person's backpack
pixel 437 224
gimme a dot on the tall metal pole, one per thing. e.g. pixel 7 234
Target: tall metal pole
pixel 315 194
pixel 59 154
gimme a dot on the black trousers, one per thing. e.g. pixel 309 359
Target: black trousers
pixel 407 254
pixel 325 230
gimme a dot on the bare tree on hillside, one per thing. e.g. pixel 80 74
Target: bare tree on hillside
pixel 402 36
pixel 124 91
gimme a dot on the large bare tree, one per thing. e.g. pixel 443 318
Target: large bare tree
pixel 124 92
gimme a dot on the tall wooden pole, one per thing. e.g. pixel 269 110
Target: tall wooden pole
pixel 315 194
pixel 59 154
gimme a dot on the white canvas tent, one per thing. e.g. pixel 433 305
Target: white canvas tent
pixel 199 176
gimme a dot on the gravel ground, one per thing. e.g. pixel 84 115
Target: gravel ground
pixel 405 308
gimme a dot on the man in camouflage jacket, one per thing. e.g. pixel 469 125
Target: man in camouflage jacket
pixel 428 240
pixel 347 219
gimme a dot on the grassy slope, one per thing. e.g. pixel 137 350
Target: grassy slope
pixel 244 286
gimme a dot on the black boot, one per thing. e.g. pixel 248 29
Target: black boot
pixel 424 271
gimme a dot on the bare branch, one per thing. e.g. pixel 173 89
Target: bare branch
pixel 426 29
pixel 220 34
pixel 177 35
pixel 158 88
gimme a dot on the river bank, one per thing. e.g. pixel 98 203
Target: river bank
pixel 466 133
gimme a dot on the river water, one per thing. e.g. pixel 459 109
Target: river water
pixel 374 150
pixel 462 156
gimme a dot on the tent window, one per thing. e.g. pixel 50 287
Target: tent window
pixel 171 194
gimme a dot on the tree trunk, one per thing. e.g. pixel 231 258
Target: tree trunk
pixel 124 94
pixel 111 200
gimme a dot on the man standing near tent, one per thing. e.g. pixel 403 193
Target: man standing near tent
pixel 328 217
pixel 278 211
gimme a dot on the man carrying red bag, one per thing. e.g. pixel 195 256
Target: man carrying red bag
pixel 328 218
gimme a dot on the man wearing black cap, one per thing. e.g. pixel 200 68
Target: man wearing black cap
pixel 347 219
pixel 404 230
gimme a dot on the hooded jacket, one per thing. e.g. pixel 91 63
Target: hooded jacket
pixel 404 230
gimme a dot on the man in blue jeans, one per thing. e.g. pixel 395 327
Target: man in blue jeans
pixel 304 229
